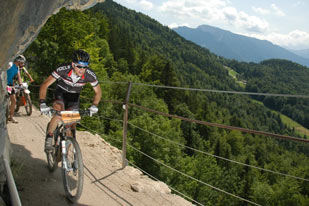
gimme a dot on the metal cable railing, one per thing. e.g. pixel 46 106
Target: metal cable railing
pixel 222 125
pixel 218 157
pixel 202 152
pixel 126 105
pixel 225 91
pixel 175 170
pixel 206 90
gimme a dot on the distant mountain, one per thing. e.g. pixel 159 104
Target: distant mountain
pixel 233 46
pixel 303 53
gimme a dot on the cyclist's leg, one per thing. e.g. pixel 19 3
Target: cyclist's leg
pixel 58 105
pixel 12 106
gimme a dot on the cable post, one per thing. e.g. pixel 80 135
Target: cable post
pixel 125 126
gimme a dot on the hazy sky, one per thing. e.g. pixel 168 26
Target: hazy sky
pixel 283 22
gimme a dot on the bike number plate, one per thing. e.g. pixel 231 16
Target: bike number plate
pixel 70 116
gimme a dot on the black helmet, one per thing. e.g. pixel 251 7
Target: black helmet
pixel 20 58
pixel 81 57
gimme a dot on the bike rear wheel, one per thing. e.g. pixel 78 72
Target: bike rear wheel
pixel 73 170
pixel 28 106
pixel 52 162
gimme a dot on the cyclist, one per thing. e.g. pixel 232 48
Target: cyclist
pixel 23 73
pixel 12 73
pixel 70 79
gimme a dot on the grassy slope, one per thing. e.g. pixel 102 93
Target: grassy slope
pixel 292 124
pixel 300 130
pixel 233 74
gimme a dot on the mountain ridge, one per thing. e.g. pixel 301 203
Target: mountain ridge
pixel 303 52
pixel 239 47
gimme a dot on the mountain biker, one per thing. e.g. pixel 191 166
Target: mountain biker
pixel 23 73
pixel 70 79
pixel 12 73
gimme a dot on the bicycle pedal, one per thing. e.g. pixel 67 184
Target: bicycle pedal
pixel 49 150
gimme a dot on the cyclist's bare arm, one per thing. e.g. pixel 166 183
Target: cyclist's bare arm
pixel 19 77
pixel 43 89
pixel 29 76
pixel 98 95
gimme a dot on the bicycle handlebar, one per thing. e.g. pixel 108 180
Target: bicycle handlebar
pixel 81 112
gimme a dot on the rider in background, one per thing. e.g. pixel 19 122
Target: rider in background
pixel 12 72
pixel 70 79
pixel 23 73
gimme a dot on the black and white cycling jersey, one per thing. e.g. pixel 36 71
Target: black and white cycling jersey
pixel 70 82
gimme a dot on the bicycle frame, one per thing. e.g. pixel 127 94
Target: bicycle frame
pixel 67 150
pixel 61 141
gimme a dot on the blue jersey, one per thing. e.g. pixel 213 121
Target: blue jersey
pixel 11 73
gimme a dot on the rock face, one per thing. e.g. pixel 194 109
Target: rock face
pixel 21 21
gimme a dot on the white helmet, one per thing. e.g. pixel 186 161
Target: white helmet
pixel 20 58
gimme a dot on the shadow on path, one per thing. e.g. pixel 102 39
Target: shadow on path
pixel 36 185
pixel 98 182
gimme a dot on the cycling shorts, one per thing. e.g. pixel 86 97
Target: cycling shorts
pixel 10 90
pixel 70 101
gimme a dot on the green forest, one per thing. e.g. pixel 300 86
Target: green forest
pixel 126 46
pixel 279 77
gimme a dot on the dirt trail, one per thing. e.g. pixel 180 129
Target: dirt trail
pixel 105 183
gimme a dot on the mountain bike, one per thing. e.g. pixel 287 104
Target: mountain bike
pixel 67 150
pixel 23 99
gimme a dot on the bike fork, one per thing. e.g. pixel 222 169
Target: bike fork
pixel 64 155
pixel 67 165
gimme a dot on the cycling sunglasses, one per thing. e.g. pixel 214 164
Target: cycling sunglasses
pixel 81 66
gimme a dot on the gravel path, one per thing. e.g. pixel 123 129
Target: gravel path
pixel 105 183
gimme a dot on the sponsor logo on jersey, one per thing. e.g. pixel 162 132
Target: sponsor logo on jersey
pixel 91 73
pixel 63 68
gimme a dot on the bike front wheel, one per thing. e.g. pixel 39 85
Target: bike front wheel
pixel 28 105
pixel 73 170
